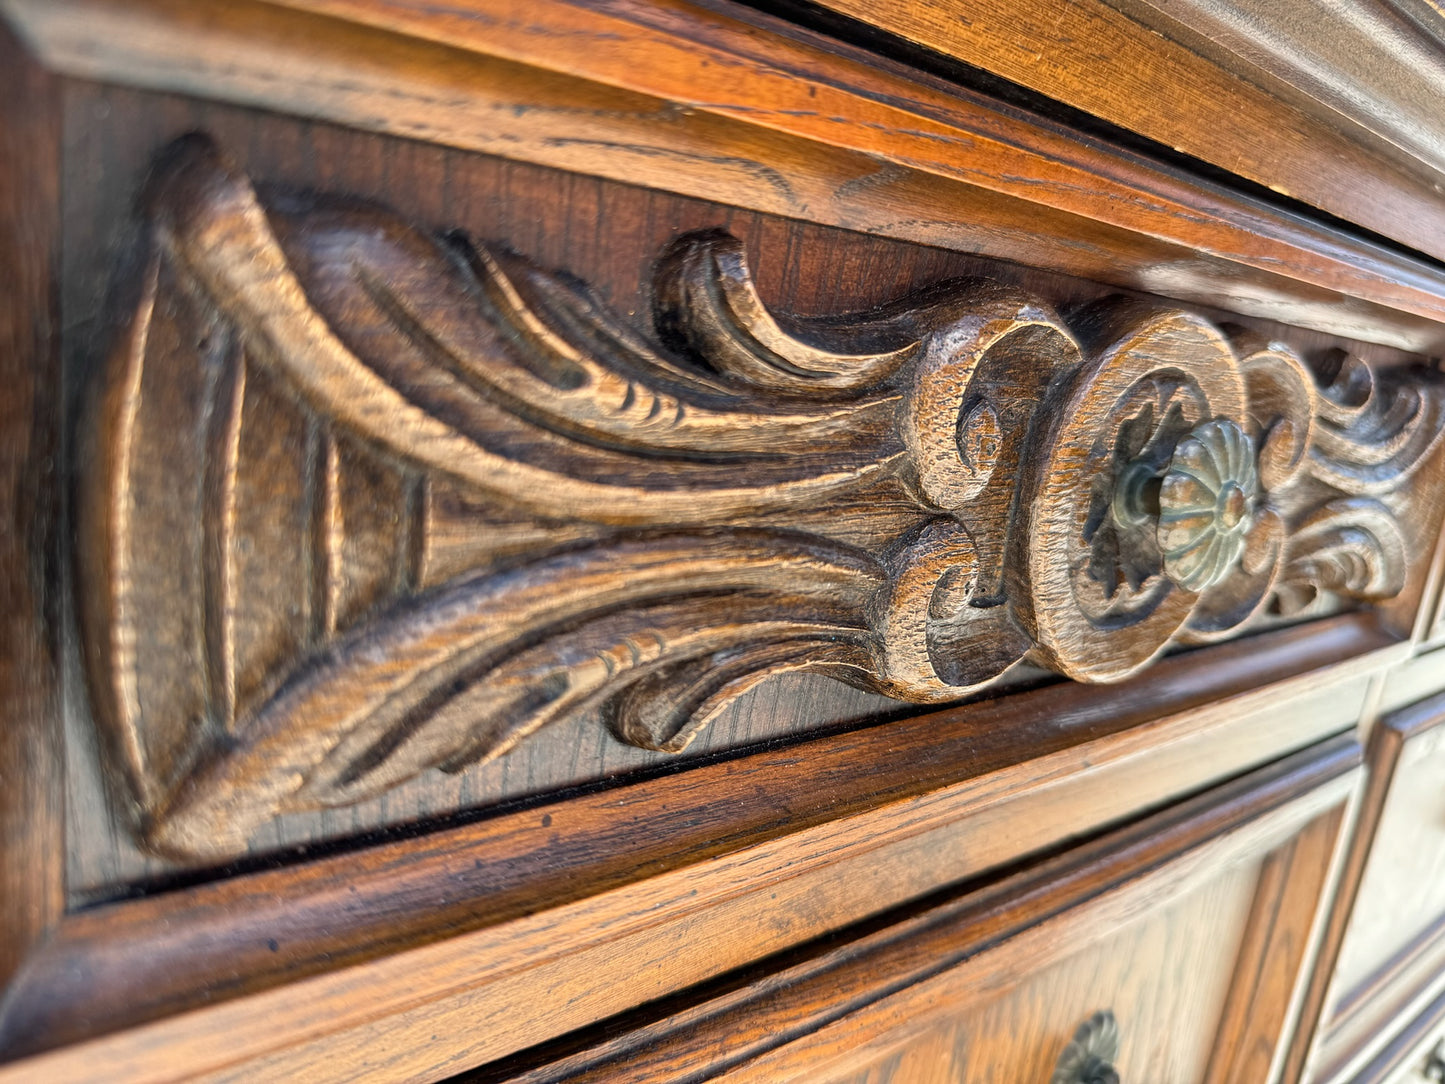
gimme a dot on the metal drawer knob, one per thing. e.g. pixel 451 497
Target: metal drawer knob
pixel 1435 1064
pixel 1089 1057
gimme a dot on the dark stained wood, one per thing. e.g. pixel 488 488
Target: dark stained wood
pixel 687 202
pixel 723 1035
pixel 969 768
pixel 1129 63
pixel 31 756
pixel 259 1043
pixel 651 94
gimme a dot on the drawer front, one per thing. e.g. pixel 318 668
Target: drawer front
pixel 1188 928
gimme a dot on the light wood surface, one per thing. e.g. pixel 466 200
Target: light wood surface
pixel 1391 955
pixel 1308 99
pixel 31 757
pixel 864 1003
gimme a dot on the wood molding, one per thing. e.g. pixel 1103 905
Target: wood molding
pixel 376 503
pixel 791 1023
pixel 1236 83
pixel 472 998
pixel 1375 66
pixel 843 827
pixel 1348 1025
pixel 1412 1042
pixel 31 755
pixel 649 94
pixel 1290 906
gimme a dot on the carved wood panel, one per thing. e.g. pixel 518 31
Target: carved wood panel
pixel 408 499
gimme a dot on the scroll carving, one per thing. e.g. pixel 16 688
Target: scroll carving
pixel 363 502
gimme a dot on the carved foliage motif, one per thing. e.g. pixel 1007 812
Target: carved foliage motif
pixel 363 502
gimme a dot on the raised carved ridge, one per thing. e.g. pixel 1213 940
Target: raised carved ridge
pixel 364 502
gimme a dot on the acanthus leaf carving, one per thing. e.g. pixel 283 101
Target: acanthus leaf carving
pixel 366 502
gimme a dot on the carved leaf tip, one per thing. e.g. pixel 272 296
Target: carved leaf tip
pixel 708 305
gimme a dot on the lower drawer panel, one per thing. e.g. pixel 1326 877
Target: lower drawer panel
pixel 1164 979
pixel 1190 928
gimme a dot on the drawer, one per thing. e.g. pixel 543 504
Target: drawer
pixel 1173 947
pixel 1392 957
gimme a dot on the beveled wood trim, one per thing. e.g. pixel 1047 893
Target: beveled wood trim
pixel 1398 990
pixel 1376 66
pixel 793 1022
pixel 1373 1051
pixel 1414 680
pixel 1411 1041
pixel 698 101
pixel 31 774
pixel 841 826
pixel 1266 992
pixel 1387 740
pixel 425 1038
pixel 1175 74
pixel 1415 957
pixel 973 984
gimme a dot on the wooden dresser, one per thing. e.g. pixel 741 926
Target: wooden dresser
pixel 667 540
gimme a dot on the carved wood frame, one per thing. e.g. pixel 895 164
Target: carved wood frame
pixel 917 500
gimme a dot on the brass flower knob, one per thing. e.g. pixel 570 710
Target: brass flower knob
pixel 1207 500
pixel 1089 1057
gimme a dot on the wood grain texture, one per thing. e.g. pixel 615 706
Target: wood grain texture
pixel 1376 66
pixel 1016 962
pixel 1128 63
pixel 839 828
pixel 652 94
pixel 391 1017
pixel 609 234
pixel 1163 976
pixel 31 755
pixel 429 954
pixel 915 499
